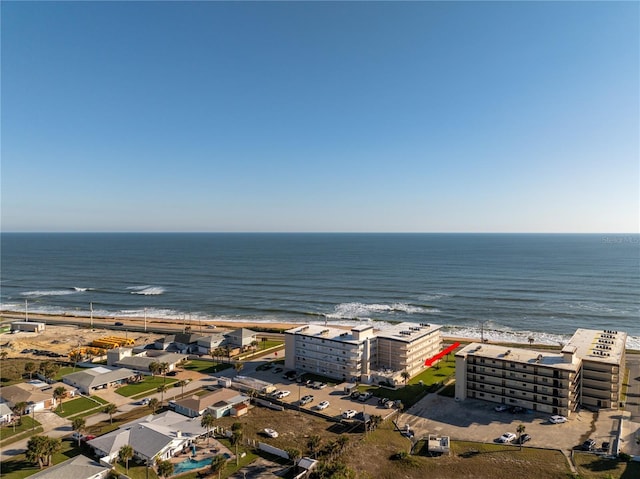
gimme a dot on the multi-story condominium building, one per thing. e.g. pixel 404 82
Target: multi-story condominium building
pixel 584 373
pixel 362 354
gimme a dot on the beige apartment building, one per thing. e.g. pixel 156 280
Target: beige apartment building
pixel 362 354
pixel 587 372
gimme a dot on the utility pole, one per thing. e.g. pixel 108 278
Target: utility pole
pixel 26 310
pixel 91 313
pixel 145 320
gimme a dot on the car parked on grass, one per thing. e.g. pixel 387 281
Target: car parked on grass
pixel 524 438
pixel 270 432
pixel 349 413
pixel 323 405
pixel 306 399
pixel 557 419
pixel 506 438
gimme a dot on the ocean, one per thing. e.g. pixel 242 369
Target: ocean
pixel 508 287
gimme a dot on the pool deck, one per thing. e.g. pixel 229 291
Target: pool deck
pixel 204 450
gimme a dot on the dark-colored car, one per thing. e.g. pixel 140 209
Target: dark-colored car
pixel 605 446
pixel 118 323
pixel 172 373
pixel 524 438
pixel 589 445
pixel 516 409
pixel 277 370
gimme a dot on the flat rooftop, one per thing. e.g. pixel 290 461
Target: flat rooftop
pixel 325 332
pixel 606 346
pixel 522 356
pixel 408 332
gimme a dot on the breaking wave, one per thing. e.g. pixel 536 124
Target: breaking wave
pixel 147 290
pixel 48 292
pixel 362 310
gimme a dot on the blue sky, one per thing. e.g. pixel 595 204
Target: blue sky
pixel 367 117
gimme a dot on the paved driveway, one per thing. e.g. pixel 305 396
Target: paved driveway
pixel 475 420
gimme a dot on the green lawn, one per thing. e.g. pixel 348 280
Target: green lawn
pixel 206 367
pixel 79 405
pixel 591 466
pixel 27 424
pixel 149 384
pixel 136 471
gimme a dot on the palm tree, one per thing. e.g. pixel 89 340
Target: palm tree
pixel 30 368
pixel 165 468
pixel 52 446
pixel 406 376
pixel 313 443
pixel 124 454
pixel 236 437
pixel 531 339
pixel 520 430
pixel 59 394
pixel 294 454
pixel 40 448
pixel 110 409
pixel 153 404
pixel 218 463
pixel 238 366
pixel 375 421
pixel 75 357
pixel 164 369
pixel 79 424
pixel 161 389
pixel 154 368
pixel 207 422
pixel 182 383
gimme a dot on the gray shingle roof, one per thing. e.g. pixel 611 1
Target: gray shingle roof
pixel 79 467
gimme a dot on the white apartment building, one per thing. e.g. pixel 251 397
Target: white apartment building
pixel 585 373
pixel 362 354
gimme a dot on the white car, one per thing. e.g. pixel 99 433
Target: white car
pixel 501 408
pixel 507 437
pixel 323 405
pixel 557 419
pixel 271 432
pixel 349 413
pixel 283 394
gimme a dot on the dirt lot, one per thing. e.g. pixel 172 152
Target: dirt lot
pixel 62 339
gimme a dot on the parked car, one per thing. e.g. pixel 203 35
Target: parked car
pixel 557 419
pixel 355 395
pixel 382 401
pixel 501 408
pixel 605 446
pixel 172 373
pixel 118 323
pixel 270 432
pixel 516 409
pixel 365 397
pixel 323 405
pixel 524 438
pixel 277 370
pixel 282 394
pixel 506 438
pixel 172 404
pixel 389 404
pixel 306 399
pixel 349 413
pixel 142 402
pixel 589 445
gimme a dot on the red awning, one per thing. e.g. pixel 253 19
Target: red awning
pixel 441 354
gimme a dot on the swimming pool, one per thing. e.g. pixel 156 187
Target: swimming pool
pixel 189 465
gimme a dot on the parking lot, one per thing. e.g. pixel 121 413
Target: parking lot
pixel 339 401
pixel 475 420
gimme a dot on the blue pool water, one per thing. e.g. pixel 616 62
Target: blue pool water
pixel 189 465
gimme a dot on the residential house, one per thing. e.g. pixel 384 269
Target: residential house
pixel 37 398
pixel 6 414
pixel 152 437
pixel 206 344
pixel 218 403
pixel 79 467
pixel 124 358
pixel 92 379
pixel 240 338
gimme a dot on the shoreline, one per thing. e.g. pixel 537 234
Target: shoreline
pixel 165 325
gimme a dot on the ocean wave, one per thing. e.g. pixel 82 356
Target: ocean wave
pixel 434 296
pixel 147 290
pixel 82 290
pixel 362 311
pixel 48 292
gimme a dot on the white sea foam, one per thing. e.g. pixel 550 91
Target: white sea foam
pixel 48 292
pixel 434 295
pixel 81 290
pixel 363 311
pixel 147 290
